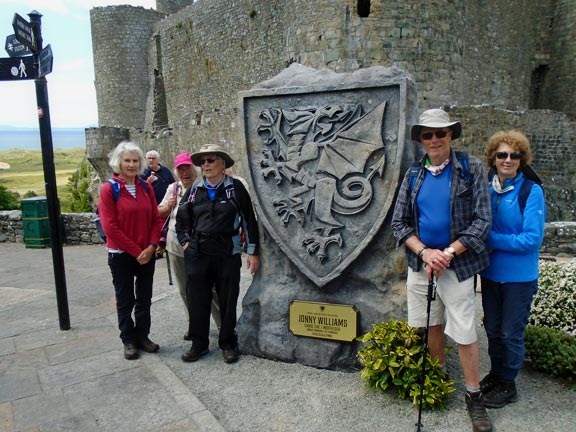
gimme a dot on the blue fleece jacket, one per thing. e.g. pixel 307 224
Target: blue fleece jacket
pixel 515 238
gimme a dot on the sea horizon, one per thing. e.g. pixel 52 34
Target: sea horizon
pixel 29 138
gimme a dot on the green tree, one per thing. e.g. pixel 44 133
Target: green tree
pixel 9 200
pixel 79 184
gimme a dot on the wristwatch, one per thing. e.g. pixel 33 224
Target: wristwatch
pixel 450 250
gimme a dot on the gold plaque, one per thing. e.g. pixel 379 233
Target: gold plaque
pixel 323 320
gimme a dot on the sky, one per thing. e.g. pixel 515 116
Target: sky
pixel 71 93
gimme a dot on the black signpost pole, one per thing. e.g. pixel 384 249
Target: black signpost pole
pixel 56 234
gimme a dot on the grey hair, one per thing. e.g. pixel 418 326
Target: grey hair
pixel 115 156
pixel 153 153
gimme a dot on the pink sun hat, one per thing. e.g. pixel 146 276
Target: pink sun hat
pixel 182 159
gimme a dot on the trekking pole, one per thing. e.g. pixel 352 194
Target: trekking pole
pixel 430 296
pixel 168 267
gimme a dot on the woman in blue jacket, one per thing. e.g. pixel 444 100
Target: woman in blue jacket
pixel 511 281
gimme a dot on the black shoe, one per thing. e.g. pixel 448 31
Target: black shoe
pixel 187 337
pixel 130 351
pixel 477 412
pixel 503 394
pixel 489 382
pixel 231 355
pixel 148 346
pixel 194 354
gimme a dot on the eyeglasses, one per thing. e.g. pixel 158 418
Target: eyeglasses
pixel 209 160
pixel 504 155
pixel 429 135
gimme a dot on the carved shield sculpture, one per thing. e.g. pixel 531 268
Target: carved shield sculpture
pixel 324 167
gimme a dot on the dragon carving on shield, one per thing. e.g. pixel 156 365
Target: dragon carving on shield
pixel 328 155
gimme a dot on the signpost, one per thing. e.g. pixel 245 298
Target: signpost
pixel 15 48
pixel 17 68
pixel 24 32
pixel 45 61
pixel 37 66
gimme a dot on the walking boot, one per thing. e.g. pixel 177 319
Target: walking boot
pixel 130 351
pixel 477 412
pixel 503 394
pixel 148 346
pixel 488 383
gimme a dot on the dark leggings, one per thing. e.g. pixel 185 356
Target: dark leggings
pixel 133 287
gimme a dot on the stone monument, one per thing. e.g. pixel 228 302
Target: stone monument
pixel 326 153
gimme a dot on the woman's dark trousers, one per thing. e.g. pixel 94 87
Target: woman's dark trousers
pixel 133 287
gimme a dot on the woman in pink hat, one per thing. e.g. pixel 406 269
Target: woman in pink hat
pixel 168 207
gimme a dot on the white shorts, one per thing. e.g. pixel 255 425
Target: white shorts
pixel 454 304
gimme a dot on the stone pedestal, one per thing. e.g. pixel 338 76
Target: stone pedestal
pixel 326 153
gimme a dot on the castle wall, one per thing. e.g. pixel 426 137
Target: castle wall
pixel 171 6
pixel 120 36
pixel 208 51
pixel 561 85
pixel 191 65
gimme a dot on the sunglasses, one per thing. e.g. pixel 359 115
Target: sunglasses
pixel 429 135
pixel 504 155
pixel 209 160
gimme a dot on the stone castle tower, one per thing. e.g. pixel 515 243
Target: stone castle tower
pixel 168 78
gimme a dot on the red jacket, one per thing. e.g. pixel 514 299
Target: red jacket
pixel 131 224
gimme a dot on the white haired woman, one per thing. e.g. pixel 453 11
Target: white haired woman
pixel 129 217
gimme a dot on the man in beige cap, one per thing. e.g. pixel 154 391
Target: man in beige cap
pixel 443 217
pixel 211 214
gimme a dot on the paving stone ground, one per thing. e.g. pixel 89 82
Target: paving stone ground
pixel 78 380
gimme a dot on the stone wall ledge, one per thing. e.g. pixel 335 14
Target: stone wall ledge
pixel 79 229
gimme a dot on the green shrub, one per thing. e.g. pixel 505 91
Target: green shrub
pixel 551 351
pixel 392 359
pixel 554 305
pixel 79 184
pixel 8 200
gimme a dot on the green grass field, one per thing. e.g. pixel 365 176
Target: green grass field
pixel 22 170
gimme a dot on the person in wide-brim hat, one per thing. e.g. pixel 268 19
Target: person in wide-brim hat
pixel 215 150
pixel 435 118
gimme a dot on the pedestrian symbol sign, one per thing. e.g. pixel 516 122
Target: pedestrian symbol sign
pixel 17 68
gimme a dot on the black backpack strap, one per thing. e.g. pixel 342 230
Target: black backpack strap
pixel 413 175
pixel 529 173
pixel 462 157
pixel 524 192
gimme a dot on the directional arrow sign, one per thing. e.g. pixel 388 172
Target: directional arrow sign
pixel 17 68
pixel 23 31
pixel 14 48
pixel 45 61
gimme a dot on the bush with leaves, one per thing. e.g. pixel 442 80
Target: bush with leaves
pixel 551 351
pixel 79 183
pixel 392 359
pixel 8 200
pixel 554 305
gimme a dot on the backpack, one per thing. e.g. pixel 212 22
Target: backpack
pixel 530 179
pixel 116 188
pixel 115 195
pixel 465 174
pixel 231 195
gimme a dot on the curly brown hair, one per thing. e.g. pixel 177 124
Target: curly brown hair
pixel 515 139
